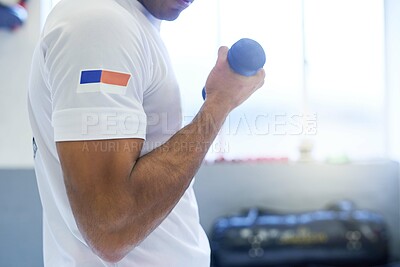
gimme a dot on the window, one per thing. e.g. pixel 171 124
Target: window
pixel 325 74
pixel 345 54
pixel 325 79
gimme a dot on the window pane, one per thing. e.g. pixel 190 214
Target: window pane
pixel 257 128
pixel 345 52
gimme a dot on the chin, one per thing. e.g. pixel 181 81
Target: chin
pixel 169 16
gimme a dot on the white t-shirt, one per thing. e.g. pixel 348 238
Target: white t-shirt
pixel 101 71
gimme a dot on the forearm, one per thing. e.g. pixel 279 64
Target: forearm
pixel 169 169
pixel 159 179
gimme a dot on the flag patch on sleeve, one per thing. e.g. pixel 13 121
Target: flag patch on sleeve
pixel 106 81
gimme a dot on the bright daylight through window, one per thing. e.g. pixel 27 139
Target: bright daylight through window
pixel 325 82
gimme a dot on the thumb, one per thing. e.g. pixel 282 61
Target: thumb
pixel 222 55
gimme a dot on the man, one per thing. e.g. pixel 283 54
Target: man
pixel 114 169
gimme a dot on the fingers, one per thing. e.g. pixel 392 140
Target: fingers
pixel 260 84
pixel 260 76
pixel 261 73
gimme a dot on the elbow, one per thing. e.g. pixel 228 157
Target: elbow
pixel 111 248
pixel 111 238
pixel 111 254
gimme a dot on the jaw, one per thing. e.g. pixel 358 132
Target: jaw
pixel 165 9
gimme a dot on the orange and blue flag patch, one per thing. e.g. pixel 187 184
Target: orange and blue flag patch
pixel 103 81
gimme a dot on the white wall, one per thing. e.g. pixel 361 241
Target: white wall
pixel 392 21
pixel 16 49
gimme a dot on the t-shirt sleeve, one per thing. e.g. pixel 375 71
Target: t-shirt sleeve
pixel 97 69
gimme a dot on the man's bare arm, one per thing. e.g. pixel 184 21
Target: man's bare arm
pixel 119 198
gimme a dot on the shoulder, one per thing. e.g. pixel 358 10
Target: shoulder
pixel 99 19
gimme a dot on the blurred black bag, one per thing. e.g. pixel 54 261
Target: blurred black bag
pixel 337 236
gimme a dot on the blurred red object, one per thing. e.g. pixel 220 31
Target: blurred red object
pixel 12 16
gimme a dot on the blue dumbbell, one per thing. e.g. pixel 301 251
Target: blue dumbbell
pixel 245 57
